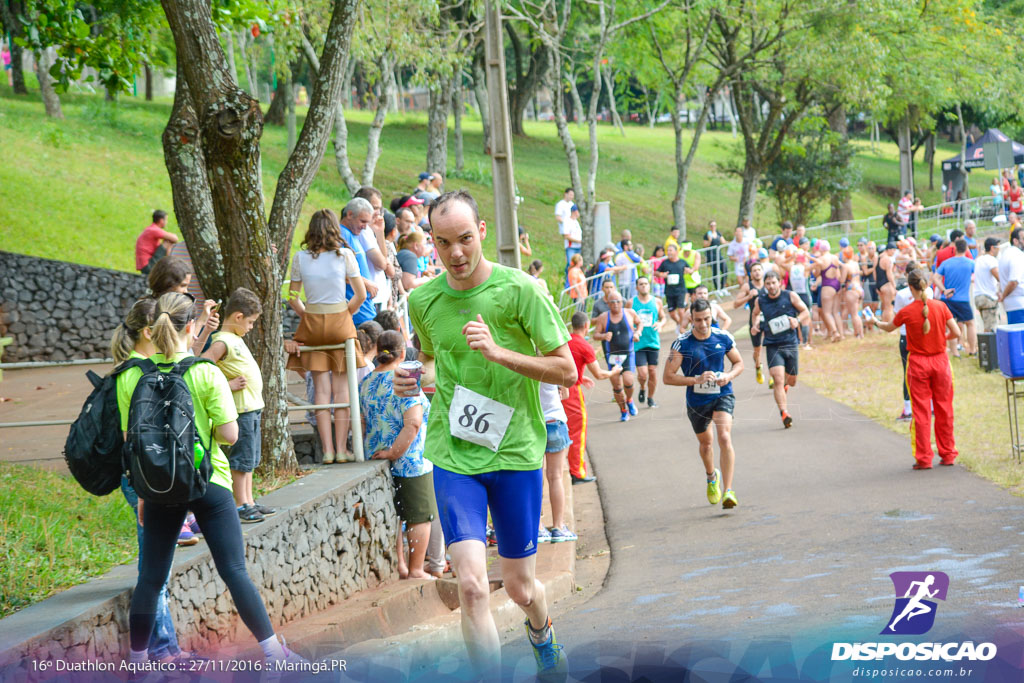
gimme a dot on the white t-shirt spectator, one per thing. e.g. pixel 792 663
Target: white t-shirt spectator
pixel 1011 268
pixel 551 404
pixel 738 250
pixel 563 213
pixel 903 298
pixel 903 210
pixel 984 283
pixel 573 233
pixel 323 277
pixel 378 277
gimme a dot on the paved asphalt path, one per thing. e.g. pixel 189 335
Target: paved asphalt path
pixel 827 510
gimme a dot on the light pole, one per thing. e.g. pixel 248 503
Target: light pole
pixel 506 225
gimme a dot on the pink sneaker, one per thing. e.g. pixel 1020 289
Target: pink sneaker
pixel 186 537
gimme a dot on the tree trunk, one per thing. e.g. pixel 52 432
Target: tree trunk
pixel 230 52
pixel 903 136
pixel 373 136
pixel 149 81
pixel 190 189
pixel 841 204
pixel 51 102
pixel 480 92
pixel 17 71
pixel 278 104
pixel 341 151
pixel 616 119
pixel 397 105
pixel 243 40
pixel 460 157
pixel 572 158
pixel 684 164
pixel 929 158
pixel 963 153
pixel 230 124
pixel 289 117
pixel 437 125
pixel 748 192
pixel 577 101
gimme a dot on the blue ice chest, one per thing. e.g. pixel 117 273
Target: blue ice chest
pixel 1010 345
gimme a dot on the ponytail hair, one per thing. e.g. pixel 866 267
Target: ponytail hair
pixel 918 282
pixel 173 313
pixel 390 345
pixel 126 335
pixel 410 238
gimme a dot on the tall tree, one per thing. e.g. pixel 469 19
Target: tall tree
pixel 758 46
pixel 230 123
pixel 526 73
pixel 551 24
pixel 9 13
pixel 672 45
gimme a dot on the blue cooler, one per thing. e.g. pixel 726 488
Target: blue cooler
pixel 1010 345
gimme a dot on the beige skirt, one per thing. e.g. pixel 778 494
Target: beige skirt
pixel 325 329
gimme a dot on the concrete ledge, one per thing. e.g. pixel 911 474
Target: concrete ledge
pixel 333 535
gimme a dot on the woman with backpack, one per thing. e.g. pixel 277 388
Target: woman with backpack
pixel 214 418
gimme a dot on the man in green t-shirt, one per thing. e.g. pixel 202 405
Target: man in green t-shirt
pixel 487 337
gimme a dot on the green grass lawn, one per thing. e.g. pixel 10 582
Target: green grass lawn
pixel 81 189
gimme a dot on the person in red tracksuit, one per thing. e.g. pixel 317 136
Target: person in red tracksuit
pixel 929 375
pixel 575 406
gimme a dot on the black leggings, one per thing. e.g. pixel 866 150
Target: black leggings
pixel 903 357
pixel 218 518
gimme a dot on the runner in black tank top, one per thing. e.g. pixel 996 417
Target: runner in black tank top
pixel 778 313
pixel 748 295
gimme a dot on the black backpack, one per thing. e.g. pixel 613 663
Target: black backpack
pixel 94 444
pixel 160 453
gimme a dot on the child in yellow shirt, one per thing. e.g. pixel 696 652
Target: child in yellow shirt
pixel 232 356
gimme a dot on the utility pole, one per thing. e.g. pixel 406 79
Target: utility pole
pixel 506 224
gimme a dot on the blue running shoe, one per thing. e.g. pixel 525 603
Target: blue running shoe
pixel 551 662
pixel 560 535
pixel 632 408
pixel 624 417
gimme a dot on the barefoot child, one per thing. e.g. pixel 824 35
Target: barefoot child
pixel 235 360
pixel 395 429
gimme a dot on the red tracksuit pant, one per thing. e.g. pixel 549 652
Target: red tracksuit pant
pixel 576 414
pixel 930 380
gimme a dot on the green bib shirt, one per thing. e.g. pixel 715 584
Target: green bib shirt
pixel 522 319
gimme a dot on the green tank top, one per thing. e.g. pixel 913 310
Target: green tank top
pixel 648 313
pixel 691 279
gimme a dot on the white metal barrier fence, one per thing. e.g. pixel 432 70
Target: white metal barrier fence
pixel 937 219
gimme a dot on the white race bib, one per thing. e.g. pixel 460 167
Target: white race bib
pixel 647 318
pixel 672 279
pixel 779 325
pixel 475 418
pixel 708 387
pixel 617 359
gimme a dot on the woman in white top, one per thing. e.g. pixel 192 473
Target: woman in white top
pixel 322 268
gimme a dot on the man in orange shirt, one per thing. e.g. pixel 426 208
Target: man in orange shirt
pixel 149 246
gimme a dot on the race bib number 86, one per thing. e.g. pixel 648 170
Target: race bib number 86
pixel 477 419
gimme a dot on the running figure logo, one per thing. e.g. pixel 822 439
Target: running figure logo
pixel 914 613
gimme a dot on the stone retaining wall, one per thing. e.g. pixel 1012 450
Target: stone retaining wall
pixel 58 311
pixel 334 535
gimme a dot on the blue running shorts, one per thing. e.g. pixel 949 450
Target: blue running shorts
pixel 513 496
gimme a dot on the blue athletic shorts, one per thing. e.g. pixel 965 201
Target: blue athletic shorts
pixel 961 310
pixel 513 496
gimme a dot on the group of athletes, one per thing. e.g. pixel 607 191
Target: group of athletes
pixel 489 337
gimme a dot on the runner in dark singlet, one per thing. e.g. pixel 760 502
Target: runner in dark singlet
pixel 885 277
pixel 749 292
pixel 619 328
